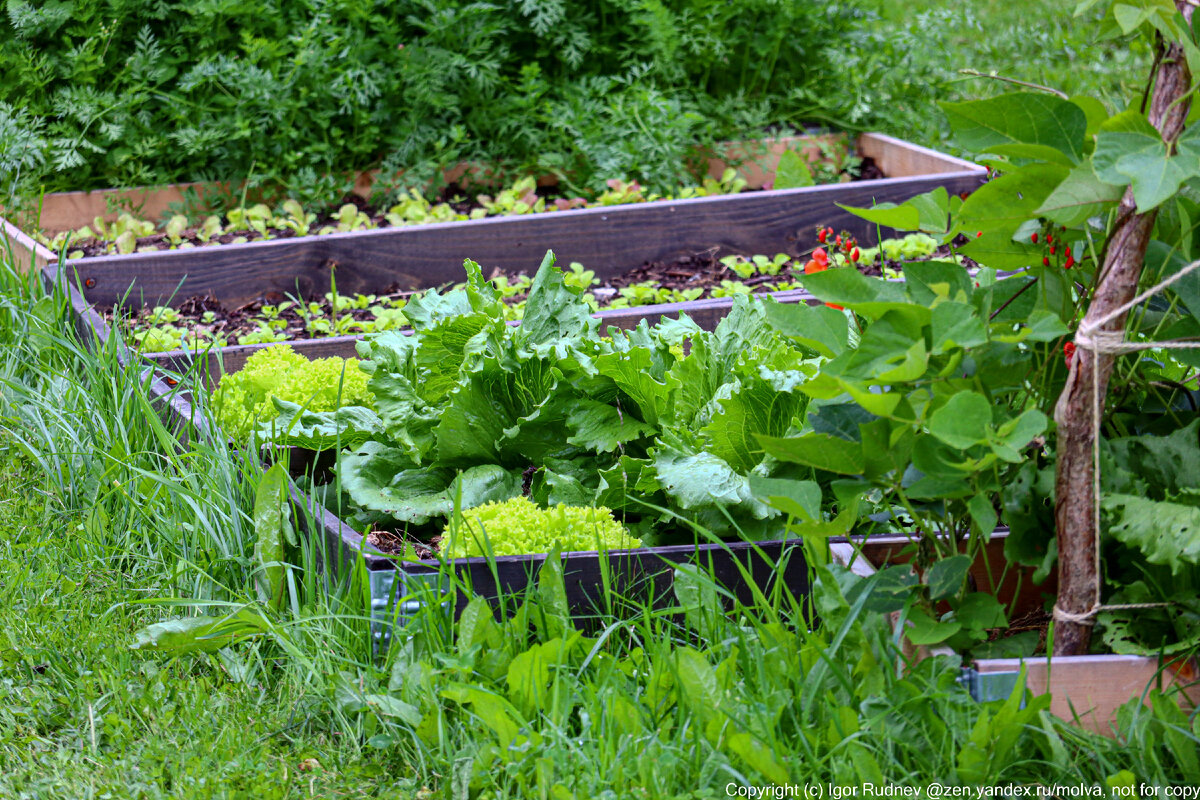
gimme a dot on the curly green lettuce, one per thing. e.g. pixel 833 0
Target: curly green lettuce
pixel 243 398
pixel 519 526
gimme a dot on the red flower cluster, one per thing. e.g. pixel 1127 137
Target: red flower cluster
pixel 818 263
pixel 1053 249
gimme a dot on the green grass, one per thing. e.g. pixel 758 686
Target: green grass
pixel 81 715
pixel 929 43
pixel 110 521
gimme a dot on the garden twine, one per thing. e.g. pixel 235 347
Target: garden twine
pixel 1091 337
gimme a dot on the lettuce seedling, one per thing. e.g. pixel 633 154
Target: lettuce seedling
pixel 297 219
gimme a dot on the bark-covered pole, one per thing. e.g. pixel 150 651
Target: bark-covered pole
pixel 1078 581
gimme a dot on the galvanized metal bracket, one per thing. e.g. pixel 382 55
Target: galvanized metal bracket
pixel 396 597
pixel 987 686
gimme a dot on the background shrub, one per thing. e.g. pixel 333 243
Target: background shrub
pixel 131 92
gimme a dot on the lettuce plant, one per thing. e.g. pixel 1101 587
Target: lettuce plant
pixel 324 384
pixel 518 525
pixel 471 408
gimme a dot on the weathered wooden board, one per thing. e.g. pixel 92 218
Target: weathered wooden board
pixel 24 252
pixel 896 157
pixel 1090 689
pixel 609 240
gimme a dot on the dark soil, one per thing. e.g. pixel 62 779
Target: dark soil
pixel 453 194
pixel 702 270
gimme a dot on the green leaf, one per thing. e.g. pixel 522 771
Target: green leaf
pixel 946 577
pixel 272 528
pixel 1079 196
pixel 1021 430
pixel 633 373
pixel 1129 150
pixel 892 348
pixel 820 328
pixel 1155 177
pixel 792 172
pixel 381 478
pixel 697 594
pixel 1054 127
pixel 848 287
pixel 758 756
pixel 800 499
pixel 1044 326
pixel 963 421
pixel 901 217
pixel 1000 206
pixel 923 630
pixel 698 681
pixel 554 312
pixel 390 706
pixel 983 514
pixel 818 450
pixel 601 427
pixel 927 280
pixel 427 309
pixel 554 619
pixel 754 408
pixel 1095 111
pixel 477 627
pixel 1166 533
pixel 702 480
pixel 629 478
pixel 956 325
pixel 296 426
pixel 891 588
pixel 200 634
pixel 980 611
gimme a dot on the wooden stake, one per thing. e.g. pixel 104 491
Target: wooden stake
pixel 1078 577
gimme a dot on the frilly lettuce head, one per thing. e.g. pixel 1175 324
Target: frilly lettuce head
pixel 519 526
pixel 325 384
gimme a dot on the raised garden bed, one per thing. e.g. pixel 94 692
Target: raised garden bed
pixel 610 240
pixel 1087 689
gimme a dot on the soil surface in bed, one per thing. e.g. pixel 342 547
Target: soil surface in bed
pixel 701 275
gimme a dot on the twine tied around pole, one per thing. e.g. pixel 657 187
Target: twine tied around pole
pixel 1093 338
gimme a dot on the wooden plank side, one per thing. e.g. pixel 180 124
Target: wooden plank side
pixel 25 252
pixel 608 240
pixel 1090 689
pixel 756 161
pixel 898 158
pixel 635 578
pixel 65 211
pixel 171 400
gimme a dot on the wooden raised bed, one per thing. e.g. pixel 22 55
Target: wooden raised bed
pixel 1085 689
pixel 609 240
pixel 1088 690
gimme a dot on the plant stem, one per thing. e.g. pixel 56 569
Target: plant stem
pixel 1074 485
pixel 977 74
